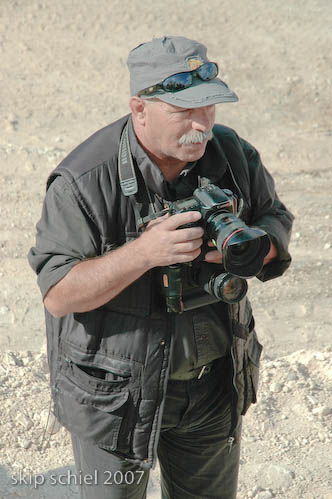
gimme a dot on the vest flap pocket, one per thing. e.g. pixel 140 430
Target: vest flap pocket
pixel 247 377
pixel 96 417
pixel 254 349
pixel 103 394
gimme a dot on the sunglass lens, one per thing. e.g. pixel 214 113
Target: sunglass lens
pixel 177 82
pixel 208 71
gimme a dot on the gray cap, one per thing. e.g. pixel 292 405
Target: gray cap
pixel 150 63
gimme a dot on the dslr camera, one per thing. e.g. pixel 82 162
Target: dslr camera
pixel 194 284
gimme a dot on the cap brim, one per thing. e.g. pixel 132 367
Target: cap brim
pixel 201 93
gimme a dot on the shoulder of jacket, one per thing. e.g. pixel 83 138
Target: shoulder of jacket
pixel 229 138
pixel 232 145
pixel 225 133
pixel 100 148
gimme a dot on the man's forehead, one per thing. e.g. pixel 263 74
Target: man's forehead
pixel 162 104
pixel 171 108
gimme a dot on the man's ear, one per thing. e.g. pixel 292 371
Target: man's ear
pixel 137 106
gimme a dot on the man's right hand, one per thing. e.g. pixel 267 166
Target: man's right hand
pixel 93 282
pixel 164 242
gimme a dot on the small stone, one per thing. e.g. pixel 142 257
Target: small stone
pixel 312 385
pixel 254 491
pixel 6 316
pixel 25 444
pixel 265 494
pixel 312 400
pixel 275 476
pixel 29 166
pixel 301 311
pixel 40 375
pixel 321 356
pixel 264 426
pixel 292 376
pixel 321 437
pixel 322 411
pixel 327 246
pixel 49 422
pixel 13 360
pixel 275 388
pixel 24 421
pixel 270 314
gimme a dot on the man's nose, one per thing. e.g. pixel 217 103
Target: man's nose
pixel 203 118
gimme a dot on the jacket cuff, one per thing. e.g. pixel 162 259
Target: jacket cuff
pixel 274 269
pixel 280 238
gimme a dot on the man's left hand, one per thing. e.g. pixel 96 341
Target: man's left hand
pixel 273 253
pixel 213 256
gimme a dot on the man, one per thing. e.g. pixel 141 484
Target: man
pixel 132 379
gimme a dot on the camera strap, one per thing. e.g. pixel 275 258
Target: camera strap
pixel 129 183
pixel 127 174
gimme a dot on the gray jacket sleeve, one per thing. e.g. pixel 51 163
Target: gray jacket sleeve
pixel 64 236
pixel 268 213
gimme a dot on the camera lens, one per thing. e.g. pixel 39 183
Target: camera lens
pixel 240 249
pixel 229 288
pixel 244 252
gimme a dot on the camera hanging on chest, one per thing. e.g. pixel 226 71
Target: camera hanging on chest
pixel 195 284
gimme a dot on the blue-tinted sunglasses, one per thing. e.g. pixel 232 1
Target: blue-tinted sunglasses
pixel 180 81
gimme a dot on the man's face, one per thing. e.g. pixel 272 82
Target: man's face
pixel 177 133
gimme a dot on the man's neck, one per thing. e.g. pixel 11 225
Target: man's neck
pixel 169 167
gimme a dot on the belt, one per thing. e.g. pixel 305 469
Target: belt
pixel 197 373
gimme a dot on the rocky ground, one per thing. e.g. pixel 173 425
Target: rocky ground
pixel 63 75
pixel 287 438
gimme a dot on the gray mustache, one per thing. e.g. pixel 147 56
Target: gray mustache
pixel 195 137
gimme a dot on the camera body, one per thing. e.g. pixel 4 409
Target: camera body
pixel 243 248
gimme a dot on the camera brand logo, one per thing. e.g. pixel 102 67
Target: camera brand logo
pixel 194 62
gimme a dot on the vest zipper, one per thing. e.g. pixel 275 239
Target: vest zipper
pixel 230 442
pixel 162 403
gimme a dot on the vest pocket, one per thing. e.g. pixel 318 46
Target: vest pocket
pixel 247 377
pixel 92 407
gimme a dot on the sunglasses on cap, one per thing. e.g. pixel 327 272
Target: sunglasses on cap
pixel 181 81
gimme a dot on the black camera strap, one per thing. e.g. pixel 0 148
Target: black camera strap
pixel 127 175
pixel 129 183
